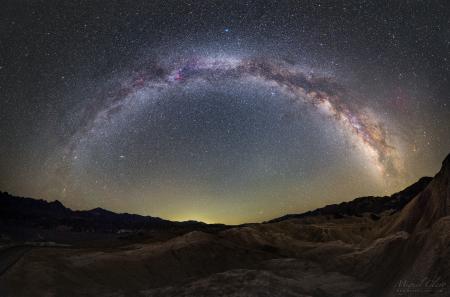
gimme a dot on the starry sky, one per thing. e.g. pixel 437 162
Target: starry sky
pixel 221 111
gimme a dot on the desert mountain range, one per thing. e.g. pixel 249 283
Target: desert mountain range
pixel 397 245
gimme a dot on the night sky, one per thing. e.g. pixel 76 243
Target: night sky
pixel 221 111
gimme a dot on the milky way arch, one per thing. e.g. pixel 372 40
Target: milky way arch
pixel 323 93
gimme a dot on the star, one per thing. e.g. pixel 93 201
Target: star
pixel 273 107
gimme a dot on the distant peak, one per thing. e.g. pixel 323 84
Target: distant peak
pixel 100 210
pixel 446 163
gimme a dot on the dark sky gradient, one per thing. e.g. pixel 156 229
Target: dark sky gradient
pixel 221 111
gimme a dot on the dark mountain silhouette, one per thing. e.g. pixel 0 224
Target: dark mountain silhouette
pixel 369 247
pixel 38 213
pixel 20 211
pixel 370 204
pixel 33 213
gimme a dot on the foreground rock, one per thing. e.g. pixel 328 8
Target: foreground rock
pixel 366 247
